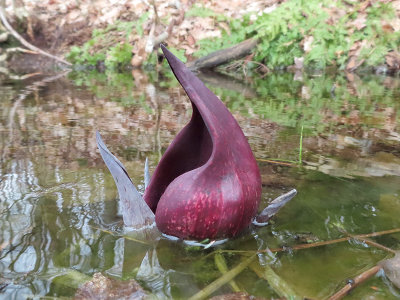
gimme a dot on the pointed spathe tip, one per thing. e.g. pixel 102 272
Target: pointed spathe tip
pixel 175 63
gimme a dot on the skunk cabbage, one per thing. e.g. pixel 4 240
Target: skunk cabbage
pixel 207 184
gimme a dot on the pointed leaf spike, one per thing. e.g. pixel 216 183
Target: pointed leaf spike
pixel 268 212
pixel 146 174
pixel 136 212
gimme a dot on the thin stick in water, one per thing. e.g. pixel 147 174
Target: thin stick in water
pixel 355 282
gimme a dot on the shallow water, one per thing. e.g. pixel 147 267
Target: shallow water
pixel 60 221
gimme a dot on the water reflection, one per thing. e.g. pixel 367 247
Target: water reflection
pixel 60 221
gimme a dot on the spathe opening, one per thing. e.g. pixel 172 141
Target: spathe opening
pixel 191 149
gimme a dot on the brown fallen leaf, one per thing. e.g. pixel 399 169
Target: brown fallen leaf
pixel 393 60
pixel 392 269
pixel 354 63
pixel 387 27
pixel 364 6
pixel 191 40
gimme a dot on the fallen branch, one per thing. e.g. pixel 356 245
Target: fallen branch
pixel 223 56
pixel 24 42
pixel 361 237
pixel 355 282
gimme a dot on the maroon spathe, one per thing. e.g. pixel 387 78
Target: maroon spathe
pixel 207 184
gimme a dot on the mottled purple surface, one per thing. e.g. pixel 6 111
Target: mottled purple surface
pixel 207 184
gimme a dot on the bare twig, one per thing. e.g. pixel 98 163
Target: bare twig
pixel 361 237
pixel 24 42
pixel 343 239
pixel 276 162
pixel 355 282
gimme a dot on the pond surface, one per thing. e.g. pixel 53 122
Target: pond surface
pixel 60 220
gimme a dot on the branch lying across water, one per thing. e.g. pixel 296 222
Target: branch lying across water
pixel 360 237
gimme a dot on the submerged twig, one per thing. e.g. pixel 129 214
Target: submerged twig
pixel 330 242
pixel 374 244
pixel 278 162
pixel 361 237
pixel 228 276
pixel 355 282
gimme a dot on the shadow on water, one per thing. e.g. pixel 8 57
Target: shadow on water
pixel 60 221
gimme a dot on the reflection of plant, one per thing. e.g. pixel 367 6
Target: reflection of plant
pixel 312 103
pixel 117 87
pixel 280 98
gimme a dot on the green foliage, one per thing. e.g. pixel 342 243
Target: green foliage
pixel 178 53
pixel 105 46
pixel 139 24
pixel 198 10
pixel 120 54
pixel 237 35
pixel 283 32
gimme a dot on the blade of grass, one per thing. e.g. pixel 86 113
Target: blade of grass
pixel 222 267
pixel 280 286
pixel 228 276
pixel 301 146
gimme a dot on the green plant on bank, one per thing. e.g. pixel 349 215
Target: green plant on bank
pixel 106 45
pixel 283 32
pixel 198 10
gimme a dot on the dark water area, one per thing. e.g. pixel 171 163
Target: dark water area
pixel 60 220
